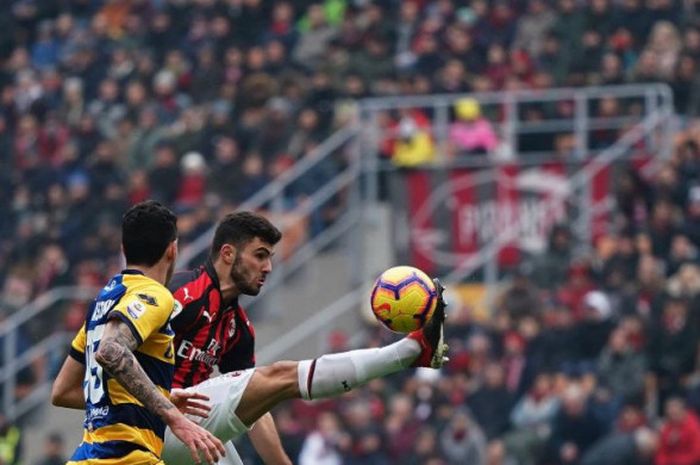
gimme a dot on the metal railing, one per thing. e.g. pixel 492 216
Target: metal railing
pixel 513 104
pixel 15 361
pixel 510 124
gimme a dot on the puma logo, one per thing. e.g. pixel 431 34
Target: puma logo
pixel 207 315
pixel 187 295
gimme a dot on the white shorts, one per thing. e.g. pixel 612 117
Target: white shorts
pixel 224 392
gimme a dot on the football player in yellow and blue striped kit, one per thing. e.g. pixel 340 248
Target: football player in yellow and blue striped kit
pixel 124 355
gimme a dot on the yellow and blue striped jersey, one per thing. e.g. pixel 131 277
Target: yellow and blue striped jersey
pixel 118 428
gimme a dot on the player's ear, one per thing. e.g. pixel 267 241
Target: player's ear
pixel 228 253
pixel 171 251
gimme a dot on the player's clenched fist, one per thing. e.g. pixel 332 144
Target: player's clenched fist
pixel 197 439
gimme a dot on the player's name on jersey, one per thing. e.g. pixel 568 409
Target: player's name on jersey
pixel 101 308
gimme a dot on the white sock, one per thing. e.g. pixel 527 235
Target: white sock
pixel 334 374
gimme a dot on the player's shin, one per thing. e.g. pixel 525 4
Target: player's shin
pixel 334 374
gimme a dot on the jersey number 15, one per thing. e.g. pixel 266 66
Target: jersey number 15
pixel 93 386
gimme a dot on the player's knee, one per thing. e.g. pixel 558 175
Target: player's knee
pixel 282 370
pixel 284 373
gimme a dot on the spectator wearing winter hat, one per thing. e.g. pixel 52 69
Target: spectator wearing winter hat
pixel 593 331
pixel 471 133
pixel 193 181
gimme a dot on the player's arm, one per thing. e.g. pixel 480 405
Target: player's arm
pixel 116 355
pixel 67 389
pixel 267 442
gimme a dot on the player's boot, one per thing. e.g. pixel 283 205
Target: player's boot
pixel 431 336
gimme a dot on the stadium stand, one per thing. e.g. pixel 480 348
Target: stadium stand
pixel 200 103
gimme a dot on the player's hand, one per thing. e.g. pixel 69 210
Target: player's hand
pixel 187 402
pixel 197 439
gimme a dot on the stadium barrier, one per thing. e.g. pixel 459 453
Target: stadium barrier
pixel 55 343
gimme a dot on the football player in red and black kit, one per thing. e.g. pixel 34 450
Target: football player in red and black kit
pixel 211 329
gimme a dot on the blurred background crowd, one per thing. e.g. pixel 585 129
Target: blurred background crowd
pixel 584 359
pixel 199 103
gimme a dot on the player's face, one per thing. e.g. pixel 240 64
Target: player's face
pixel 251 266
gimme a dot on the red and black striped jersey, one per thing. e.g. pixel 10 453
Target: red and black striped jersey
pixel 208 332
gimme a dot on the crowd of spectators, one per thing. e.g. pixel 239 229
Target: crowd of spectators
pixel 199 103
pixel 587 357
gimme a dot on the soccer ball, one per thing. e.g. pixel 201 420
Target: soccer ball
pixel 403 298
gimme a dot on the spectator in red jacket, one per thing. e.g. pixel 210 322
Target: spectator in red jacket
pixel 680 436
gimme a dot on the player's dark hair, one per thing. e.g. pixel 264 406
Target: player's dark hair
pixel 147 230
pixel 242 227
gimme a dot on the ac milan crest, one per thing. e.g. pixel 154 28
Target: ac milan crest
pixel 232 327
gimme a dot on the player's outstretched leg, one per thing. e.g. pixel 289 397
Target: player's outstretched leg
pixel 240 398
pixel 334 374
